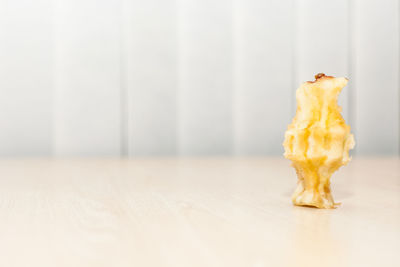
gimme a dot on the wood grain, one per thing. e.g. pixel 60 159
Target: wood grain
pixel 193 212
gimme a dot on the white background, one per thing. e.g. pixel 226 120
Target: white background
pixel 189 77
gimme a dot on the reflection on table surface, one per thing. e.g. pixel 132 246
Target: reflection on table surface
pixel 193 212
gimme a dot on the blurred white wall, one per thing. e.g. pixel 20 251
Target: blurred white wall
pixel 189 77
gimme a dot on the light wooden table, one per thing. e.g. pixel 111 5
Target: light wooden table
pixel 193 212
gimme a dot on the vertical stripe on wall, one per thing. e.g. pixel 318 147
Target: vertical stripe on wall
pixel 322 39
pixel 205 77
pixel 26 78
pixel 376 59
pixel 263 75
pixel 150 76
pixel 87 100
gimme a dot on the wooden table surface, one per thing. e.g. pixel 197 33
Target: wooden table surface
pixel 193 212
